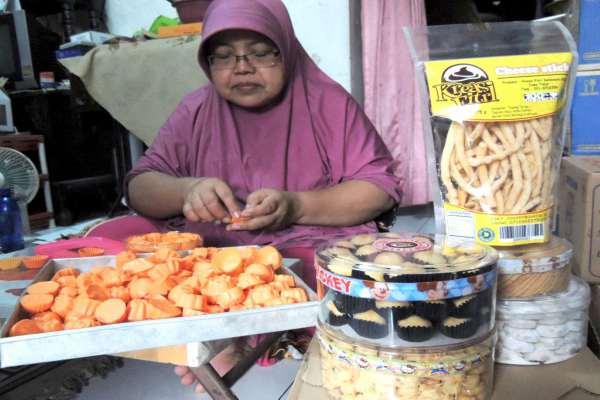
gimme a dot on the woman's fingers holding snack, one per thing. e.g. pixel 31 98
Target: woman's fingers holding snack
pixel 227 198
pixel 261 202
pixel 269 209
pixel 191 207
pixel 215 208
pixel 252 201
pixel 209 200
pixel 253 224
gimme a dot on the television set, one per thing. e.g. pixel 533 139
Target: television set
pixel 6 118
pixel 15 51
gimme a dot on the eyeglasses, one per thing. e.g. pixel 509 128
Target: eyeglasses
pixel 258 59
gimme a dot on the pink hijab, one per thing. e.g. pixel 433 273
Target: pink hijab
pixel 316 136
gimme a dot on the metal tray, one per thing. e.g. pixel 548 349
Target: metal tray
pixel 129 336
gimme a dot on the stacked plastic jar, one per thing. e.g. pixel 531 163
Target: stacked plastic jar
pixel 406 316
pixel 542 311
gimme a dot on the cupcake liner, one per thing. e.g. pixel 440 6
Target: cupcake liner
pixel 401 278
pixel 367 257
pixel 369 329
pixel 35 262
pixel 10 263
pixel 337 320
pixel 432 311
pixel 468 309
pixel 356 274
pixel 373 276
pixel 352 305
pixel 366 253
pixel 340 301
pixel 334 318
pixel 402 312
pixel 90 251
pixel 462 331
pixel 398 310
pixel 415 333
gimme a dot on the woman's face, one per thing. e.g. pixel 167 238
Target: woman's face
pixel 242 83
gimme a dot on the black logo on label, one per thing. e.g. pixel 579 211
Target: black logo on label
pixel 402 245
pixel 465 84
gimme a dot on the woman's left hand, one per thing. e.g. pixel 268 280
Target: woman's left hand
pixel 268 209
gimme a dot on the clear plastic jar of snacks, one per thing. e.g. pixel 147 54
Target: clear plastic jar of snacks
pixel 543 330
pixel 496 100
pixel 406 290
pixel 361 371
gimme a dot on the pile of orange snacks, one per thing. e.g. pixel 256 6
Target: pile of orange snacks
pixel 173 240
pixel 164 285
pixel 31 262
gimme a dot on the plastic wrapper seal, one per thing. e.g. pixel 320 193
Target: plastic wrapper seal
pixel 534 270
pixel 544 330
pixel 401 289
pixel 352 370
pixel 499 96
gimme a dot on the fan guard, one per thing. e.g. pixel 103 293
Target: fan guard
pixel 18 173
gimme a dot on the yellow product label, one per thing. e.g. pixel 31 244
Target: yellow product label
pixel 498 229
pixel 503 88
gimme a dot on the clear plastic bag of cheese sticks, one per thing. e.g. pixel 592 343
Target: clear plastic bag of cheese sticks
pixel 498 98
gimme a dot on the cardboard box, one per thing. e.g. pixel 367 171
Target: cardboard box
pixel 585 117
pixel 579 213
pixel 589 31
pixel 574 379
pixel 180 30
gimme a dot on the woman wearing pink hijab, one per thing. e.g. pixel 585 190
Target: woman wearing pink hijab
pixel 272 138
pixel 273 151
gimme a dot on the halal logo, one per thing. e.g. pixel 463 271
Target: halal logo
pixel 486 235
pixel 465 84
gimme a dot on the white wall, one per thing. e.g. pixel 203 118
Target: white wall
pixel 322 26
pixel 125 17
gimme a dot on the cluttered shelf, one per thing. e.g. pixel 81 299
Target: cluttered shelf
pixel 77 129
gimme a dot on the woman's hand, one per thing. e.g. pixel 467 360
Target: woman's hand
pixel 222 363
pixel 209 200
pixel 188 378
pixel 268 209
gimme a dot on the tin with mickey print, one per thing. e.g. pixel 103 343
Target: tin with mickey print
pixel 402 289
pixel 526 272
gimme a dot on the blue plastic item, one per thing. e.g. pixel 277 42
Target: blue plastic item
pixel 585 124
pixel 11 228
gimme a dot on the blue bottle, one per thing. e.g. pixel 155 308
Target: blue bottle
pixel 11 229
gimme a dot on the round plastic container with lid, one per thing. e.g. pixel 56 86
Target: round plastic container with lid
pixel 534 270
pixel 352 370
pixel 544 330
pixel 173 240
pixel 406 290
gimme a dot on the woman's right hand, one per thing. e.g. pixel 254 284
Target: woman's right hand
pixel 209 200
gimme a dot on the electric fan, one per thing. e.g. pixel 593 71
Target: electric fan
pixel 19 174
